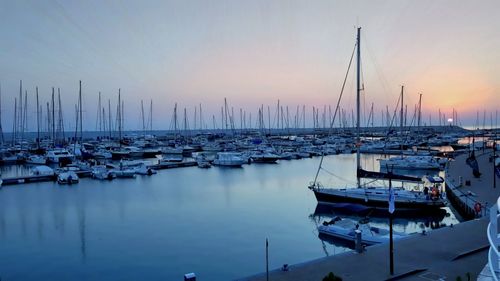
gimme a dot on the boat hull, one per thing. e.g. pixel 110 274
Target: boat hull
pixel 330 198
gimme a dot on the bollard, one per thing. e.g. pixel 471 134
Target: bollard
pixel 357 241
pixel 460 180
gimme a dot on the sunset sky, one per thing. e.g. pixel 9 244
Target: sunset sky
pixel 252 53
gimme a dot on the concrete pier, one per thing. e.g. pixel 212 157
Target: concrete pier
pixel 442 254
pixel 446 253
pixel 465 191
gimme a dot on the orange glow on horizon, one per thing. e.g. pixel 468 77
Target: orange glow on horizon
pixel 458 87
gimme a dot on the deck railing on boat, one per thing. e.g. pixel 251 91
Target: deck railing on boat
pixel 494 240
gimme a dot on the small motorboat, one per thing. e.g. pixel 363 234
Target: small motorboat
pixel 69 177
pixel 202 161
pixel 102 173
pixel 229 159
pixel 169 158
pixel 42 170
pixel 36 160
pixel 344 229
pixel 145 170
pixel 203 164
pixel 126 173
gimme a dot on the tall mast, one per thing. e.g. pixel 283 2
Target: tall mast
pixel 151 116
pixel 401 115
pixel 60 127
pixel 37 120
pixel 1 131
pixel 278 116
pixel 20 111
pixel 109 119
pixel 99 114
pixel 142 116
pixel 122 115
pixel 119 118
pixel 201 119
pixel 175 120
pixel 420 111
pixel 104 120
pixel 225 113
pixel 14 127
pixel 185 122
pixel 48 120
pixel 24 118
pixel 241 119
pixel 358 90
pixel 53 119
pixel 81 112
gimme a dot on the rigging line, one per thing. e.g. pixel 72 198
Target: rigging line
pixel 361 67
pixel 392 119
pixel 367 183
pixel 343 86
pixel 332 174
pixel 380 74
pixel 337 107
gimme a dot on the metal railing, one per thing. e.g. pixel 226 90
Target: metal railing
pixel 494 240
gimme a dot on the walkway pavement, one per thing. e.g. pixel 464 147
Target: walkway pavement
pixel 480 189
pixel 443 254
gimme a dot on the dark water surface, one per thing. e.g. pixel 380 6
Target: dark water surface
pixel 213 222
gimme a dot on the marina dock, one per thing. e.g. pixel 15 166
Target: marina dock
pixel 38 178
pixel 162 166
pixel 442 254
pixel 28 179
pixel 466 191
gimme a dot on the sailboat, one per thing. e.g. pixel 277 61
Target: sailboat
pixel 376 197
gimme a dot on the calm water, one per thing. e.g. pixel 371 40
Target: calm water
pixel 213 222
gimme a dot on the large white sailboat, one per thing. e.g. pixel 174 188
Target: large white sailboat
pixel 376 197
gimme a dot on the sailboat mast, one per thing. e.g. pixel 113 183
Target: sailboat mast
pixel 109 118
pixel 53 119
pixel 420 111
pixel 119 118
pixel 401 115
pixel 80 112
pixel 14 127
pixel 142 116
pixel 20 110
pixel 201 119
pixel 1 130
pixel 358 90
pixel 99 114
pixel 37 119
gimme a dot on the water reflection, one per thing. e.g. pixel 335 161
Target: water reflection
pixel 210 221
pixel 81 228
pixel 405 222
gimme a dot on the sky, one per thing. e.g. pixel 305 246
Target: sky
pixel 252 53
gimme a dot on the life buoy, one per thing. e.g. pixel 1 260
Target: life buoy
pixel 477 207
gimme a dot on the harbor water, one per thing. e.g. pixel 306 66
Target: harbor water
pixel 213 222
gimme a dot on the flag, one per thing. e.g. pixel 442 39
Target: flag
pixel 391 201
